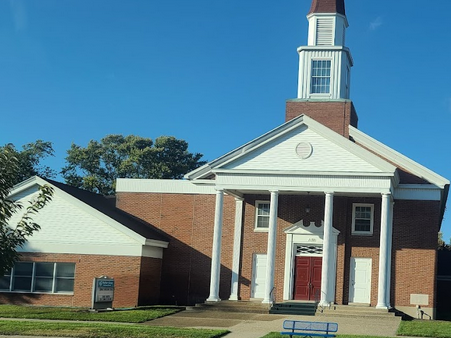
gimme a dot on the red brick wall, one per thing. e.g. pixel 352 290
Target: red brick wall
pixel 416 225
pixel 124 269
pixel 334 115
pixel 149 281
pixel 188 220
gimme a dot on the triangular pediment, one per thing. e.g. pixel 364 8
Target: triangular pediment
pixel 304 149
pixel 300 145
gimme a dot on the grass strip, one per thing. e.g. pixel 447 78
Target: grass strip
pixel 138 315
pixel 100 330
pixel 425 328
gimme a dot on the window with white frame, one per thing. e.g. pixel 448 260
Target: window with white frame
pixel 39 277
pixel 362 219
pixel 320 77
pixel 262 215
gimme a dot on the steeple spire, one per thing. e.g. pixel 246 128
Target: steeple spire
pixel 328 6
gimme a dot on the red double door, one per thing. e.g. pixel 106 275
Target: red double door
pixel 307 282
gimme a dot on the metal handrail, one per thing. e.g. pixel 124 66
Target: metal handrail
pixel 272 298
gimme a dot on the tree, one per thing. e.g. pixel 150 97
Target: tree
pixel 96 167
pixel 442 245
pixel 15 236
pixel 29 160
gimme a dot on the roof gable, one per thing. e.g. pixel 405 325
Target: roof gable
pixel 97 206
pixel 278 150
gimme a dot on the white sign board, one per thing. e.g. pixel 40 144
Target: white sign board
pixel 419 299
pixel 102 293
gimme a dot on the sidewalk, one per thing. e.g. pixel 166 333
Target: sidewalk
pixel 251 325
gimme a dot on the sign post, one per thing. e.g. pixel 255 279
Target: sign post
pixel 102 293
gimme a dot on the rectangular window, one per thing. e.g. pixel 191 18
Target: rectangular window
pixel 321 76
pixel 22 276
pixel 44 277
pixel 65 275
pixel 262 215
pixel 5 282
pixel 40 278
pixel 362 219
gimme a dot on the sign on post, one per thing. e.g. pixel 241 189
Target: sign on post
pixel 102 293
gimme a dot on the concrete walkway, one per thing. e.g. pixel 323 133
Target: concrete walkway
pixel 251 325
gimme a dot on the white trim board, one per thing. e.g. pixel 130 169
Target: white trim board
pixel 164 186
pixel 397 158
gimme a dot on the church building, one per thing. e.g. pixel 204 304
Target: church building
pixel 313 210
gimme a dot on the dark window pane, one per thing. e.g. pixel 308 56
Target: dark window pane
pixel 44 269
pixel 64 285
pixel 263 209
pixel 362 225
pixel 4 282
pixel 43 284
pixel 22 284
pixel 65 270
pixel 23 269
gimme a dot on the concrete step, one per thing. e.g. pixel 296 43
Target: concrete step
pixel 294 308
pixel 233 306
pixel 355 311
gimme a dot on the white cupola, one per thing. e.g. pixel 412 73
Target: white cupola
pixel 325 63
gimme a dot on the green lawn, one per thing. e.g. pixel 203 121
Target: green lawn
pixel 101 330
pixel 425 328
pixel 138 315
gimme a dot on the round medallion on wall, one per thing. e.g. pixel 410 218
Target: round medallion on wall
pixel 304 150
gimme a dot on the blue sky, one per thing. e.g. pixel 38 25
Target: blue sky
pixel 215 73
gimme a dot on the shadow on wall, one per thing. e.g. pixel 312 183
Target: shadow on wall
pixel 185 276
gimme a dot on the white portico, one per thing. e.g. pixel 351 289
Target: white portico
pixel 311 159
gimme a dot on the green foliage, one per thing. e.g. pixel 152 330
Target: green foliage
pixel 442 245
pixel 96 167
pixel 15 236
pixel 29 160
pixel 138 315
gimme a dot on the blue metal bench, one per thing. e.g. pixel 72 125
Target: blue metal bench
pixel 309 329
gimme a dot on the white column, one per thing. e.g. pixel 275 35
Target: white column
pixel 271 252
pixel 236 248
pixel 326 292
pixel 216 252
pixel 390 243
pixel 384 246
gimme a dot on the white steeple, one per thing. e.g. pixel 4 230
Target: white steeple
pixel 325 63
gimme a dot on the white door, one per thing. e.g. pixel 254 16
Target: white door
pixel 360 282
pixel 258 276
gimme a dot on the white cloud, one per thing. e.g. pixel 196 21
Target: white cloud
pixel 376 23
pixel 19 14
